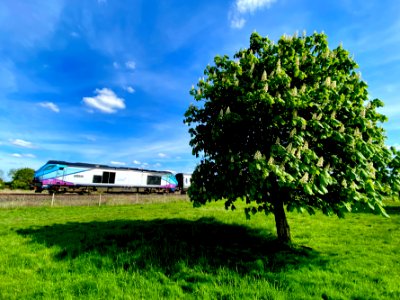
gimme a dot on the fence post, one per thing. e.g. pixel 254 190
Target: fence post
pixel 100 200
pixel 52 200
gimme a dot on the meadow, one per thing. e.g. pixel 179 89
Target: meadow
pixel 174 251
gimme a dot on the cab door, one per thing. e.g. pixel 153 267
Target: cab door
pixel 60 174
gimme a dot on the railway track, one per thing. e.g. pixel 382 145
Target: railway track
pixel 89 194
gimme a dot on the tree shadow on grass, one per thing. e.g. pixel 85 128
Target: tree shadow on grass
pixel 167 244
pixel 392 210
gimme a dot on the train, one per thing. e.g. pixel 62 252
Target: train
pixel 62 177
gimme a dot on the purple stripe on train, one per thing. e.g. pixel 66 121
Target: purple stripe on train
pixel 55 181
pixel 169 186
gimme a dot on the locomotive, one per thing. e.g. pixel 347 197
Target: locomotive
pixel 62 176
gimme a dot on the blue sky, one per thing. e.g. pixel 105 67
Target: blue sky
pixel 108 82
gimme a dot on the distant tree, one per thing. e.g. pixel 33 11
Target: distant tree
pixel 394 167
pixel 288 124
pixel 1 179
pixel 21 178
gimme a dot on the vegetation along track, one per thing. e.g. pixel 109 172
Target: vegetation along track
pixel 30 199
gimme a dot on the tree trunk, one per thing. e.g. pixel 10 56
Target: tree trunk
pixel 282 226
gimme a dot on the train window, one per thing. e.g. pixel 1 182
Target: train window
pixel 97 178
pixel 61 168
pixel 112 177
pixel 108 177
pixel 153 180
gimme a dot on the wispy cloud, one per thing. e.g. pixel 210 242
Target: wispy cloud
pixel 131 65
pixel 117 163
pixel 8 80
pixel 19 155
pixel 237 21
pixel 22 143
pixel 162 155
pixel 242 7
pixel 391 110
pixel 41 23
pixel 130 89
pixel 89 137
pixel 136 162
pixel 50 105
pixel 106 101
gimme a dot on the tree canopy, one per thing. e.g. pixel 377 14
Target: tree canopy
pixel 288 124
pixel 21 178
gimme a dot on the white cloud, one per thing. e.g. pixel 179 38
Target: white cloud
pixel 106 101
pixel 241 7
pixel 130 65
pixel 117 163
pixel 16 155
pixel 157 165
pixel 130 89
pixel 50 105
pixel 250 6
pixel 21 143
pixel 237 22
pixel 162 155
pixel 136 162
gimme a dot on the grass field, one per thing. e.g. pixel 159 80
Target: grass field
pixel 171 250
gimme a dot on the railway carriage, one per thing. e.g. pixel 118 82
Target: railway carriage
pixel 184 180
pixel 61 176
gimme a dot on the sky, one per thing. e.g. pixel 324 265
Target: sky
pixel 107 82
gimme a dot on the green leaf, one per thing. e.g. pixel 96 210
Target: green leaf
pixel 322 189
pixel 369 186
pixel 308 189
pixel 348 206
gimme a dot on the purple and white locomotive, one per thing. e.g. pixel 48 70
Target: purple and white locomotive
pixel 61 176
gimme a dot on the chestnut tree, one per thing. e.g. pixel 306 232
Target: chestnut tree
pixel 288 124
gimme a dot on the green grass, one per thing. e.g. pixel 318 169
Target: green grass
pixel 171 250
